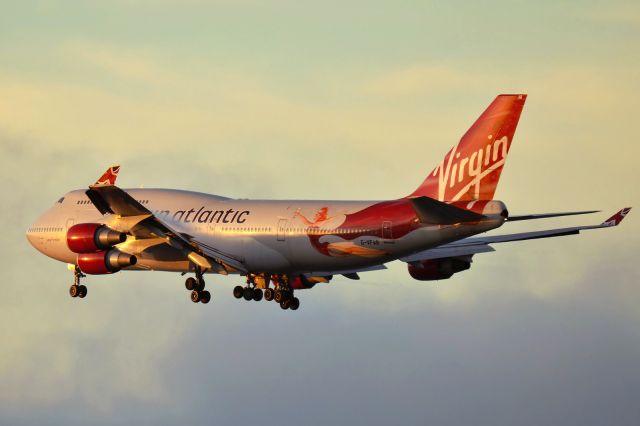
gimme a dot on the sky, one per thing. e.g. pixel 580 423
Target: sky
pixel 331 100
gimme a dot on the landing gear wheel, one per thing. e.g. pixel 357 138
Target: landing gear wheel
pixel 238 291
pixel 278 296
pixel 287 295
pixel 190 283
pixel 247 293
pixel 205 297
pixel 195 296
pixel 257 294
pixel 268 294
pixel 200 285
pixel 77 290
pixel 294 303
pixel 285 304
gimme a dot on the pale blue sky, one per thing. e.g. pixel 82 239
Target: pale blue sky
pixel 299 100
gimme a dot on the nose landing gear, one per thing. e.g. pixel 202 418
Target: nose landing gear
pixel 76 289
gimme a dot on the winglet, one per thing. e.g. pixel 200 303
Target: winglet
pixel 433 211
pixel 109 177
pixel 617 218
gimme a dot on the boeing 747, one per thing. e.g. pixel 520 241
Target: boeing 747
pixel 283 246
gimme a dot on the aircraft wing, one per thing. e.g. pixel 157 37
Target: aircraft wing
pixel 352 274
pixel 143 224
pixel 548 215
pixel 475 245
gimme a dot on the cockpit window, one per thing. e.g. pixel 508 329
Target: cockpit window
pixel 60 200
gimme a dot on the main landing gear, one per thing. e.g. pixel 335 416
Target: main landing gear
pixel 77 290
pixel 196 287
pixel 282 294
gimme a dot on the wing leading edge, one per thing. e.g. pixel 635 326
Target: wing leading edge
pixel 142 223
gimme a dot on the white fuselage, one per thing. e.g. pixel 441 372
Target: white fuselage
pixel 288 236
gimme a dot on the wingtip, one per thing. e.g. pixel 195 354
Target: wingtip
pixel 109 177
pixel 617 218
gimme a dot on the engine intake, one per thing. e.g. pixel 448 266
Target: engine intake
pixel 438 269
pixel 105 262
pixel 92 237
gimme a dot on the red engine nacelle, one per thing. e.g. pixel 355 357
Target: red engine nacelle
pixel 105 262
pixel 438 269
pixel 300 282
pixel 92 237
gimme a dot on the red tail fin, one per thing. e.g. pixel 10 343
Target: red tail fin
pixel 471 169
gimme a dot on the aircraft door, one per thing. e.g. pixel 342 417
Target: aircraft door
pixel 282 229
pixel 387 232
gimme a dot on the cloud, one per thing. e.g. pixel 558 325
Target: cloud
pixel 127 65
pixel 416 80
pixel 614 13
pixel 535 332
pixel 46 349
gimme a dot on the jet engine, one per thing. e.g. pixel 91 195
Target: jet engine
pixel 301 282
pixel 92 237
pixel 438 269
pixel 105 262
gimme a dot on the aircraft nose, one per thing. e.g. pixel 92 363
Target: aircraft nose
pixel 37 231
pixel 32 234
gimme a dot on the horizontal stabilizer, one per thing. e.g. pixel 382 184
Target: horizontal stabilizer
pixel 547 215
pixel 436 212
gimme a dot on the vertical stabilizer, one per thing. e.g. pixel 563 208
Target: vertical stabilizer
pixel 471 169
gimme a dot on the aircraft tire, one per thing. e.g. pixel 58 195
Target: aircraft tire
pixel 190 283
pixel 195 296
pixel 285 304
pixel 247 293
pixel 82 291
pixel 268 294
pixel 238 291
pixel 257 294
pixel 205 297
pixel 294 304
pixel 278 296
pixel 73 291
pixel 199 286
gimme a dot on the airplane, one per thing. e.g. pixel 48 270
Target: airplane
pixel 283 246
